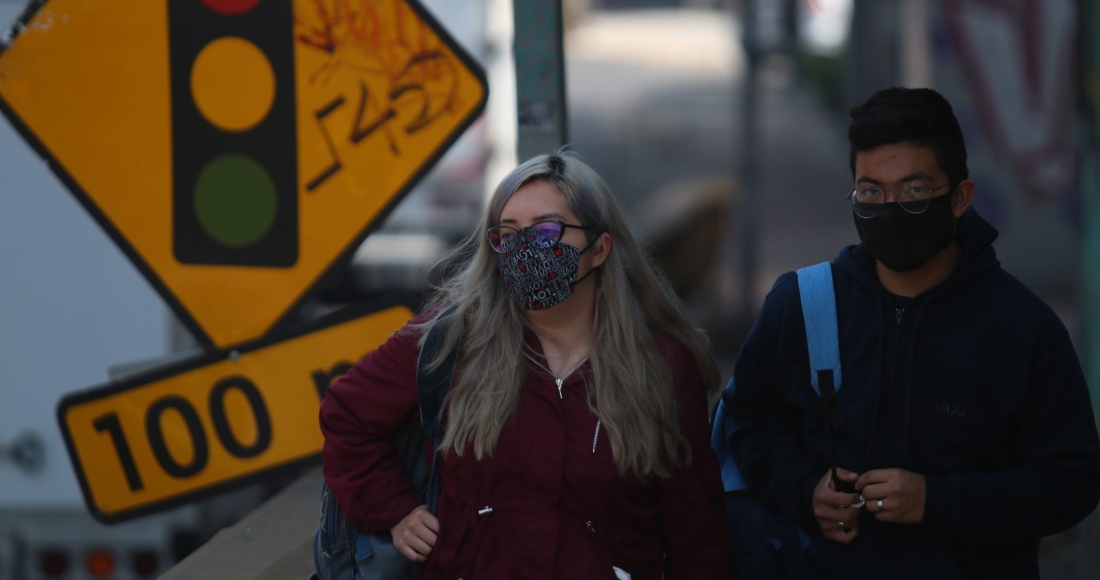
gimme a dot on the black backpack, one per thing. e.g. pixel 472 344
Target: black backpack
pixel 340 552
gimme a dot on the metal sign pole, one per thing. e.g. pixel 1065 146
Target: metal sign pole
pixel 540 77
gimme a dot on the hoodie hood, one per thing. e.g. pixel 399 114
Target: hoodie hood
pixel 974 235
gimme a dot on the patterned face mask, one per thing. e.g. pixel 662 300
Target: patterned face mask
pixel 538 276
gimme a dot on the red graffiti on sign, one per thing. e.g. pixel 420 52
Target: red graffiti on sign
pixel 1018 58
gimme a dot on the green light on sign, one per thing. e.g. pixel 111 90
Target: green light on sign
pixel 235 200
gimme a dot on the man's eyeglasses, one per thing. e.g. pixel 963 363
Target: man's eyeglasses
pixel 914 197
pixel 542 234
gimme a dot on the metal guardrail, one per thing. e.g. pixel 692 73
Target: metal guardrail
pixel 274 542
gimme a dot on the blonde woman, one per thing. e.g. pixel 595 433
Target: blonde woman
pixel 576 442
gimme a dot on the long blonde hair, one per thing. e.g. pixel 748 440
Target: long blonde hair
pixel 630 387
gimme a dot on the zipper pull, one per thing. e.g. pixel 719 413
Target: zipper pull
pixel 590 527
pixel 899 311
pixel 558 381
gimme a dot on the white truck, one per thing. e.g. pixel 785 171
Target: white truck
pixel 75 313
pixel 71 306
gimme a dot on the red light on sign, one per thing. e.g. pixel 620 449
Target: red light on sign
pixel 231 7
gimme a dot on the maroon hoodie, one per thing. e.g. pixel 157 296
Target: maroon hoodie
pixel 549 502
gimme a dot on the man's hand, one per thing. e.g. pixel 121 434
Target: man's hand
pixel 837 523
pixel 415 535
pixel 893 495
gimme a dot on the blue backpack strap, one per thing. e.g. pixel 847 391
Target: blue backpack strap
pixel 815 286
pixel 720 441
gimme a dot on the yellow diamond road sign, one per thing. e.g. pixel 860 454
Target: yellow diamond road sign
pixel 237 149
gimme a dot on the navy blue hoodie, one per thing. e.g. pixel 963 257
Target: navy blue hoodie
pixel 973 384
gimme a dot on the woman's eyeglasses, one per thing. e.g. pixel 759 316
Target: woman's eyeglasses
pixel 541 234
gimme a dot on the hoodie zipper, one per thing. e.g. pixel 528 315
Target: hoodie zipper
pixel 894 384
pixel 559 382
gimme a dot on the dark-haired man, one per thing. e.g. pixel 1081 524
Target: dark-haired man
pixel 962 428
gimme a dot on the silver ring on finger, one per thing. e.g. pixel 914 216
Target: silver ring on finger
pixel 878 504
pixel 841 524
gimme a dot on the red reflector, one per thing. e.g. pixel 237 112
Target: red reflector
pixel 144 563
pixel 100 563
pixel 54 563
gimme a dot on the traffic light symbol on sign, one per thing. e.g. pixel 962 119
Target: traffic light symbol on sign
pixel 234 162
pixel 248 146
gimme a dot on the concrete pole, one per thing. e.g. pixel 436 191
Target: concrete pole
pixel 1089 51
pixel 748 165
pixel 916 44
pixel 1086 559
pixel 500 112
pixel 540 77
pixel 873 59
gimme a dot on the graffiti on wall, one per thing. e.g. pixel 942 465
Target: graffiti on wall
pixel 1018 60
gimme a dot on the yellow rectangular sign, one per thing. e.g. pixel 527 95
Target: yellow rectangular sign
pixel 173 435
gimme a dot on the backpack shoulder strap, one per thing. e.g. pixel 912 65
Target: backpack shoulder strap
pixel 432 385
pixel 431 389
pixel 815 286
pixel 720 442
pixel 332 557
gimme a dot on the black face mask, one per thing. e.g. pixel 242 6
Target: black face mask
pixel 903 241
pixel 538 277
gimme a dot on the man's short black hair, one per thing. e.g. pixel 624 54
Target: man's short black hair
pixel 920 117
